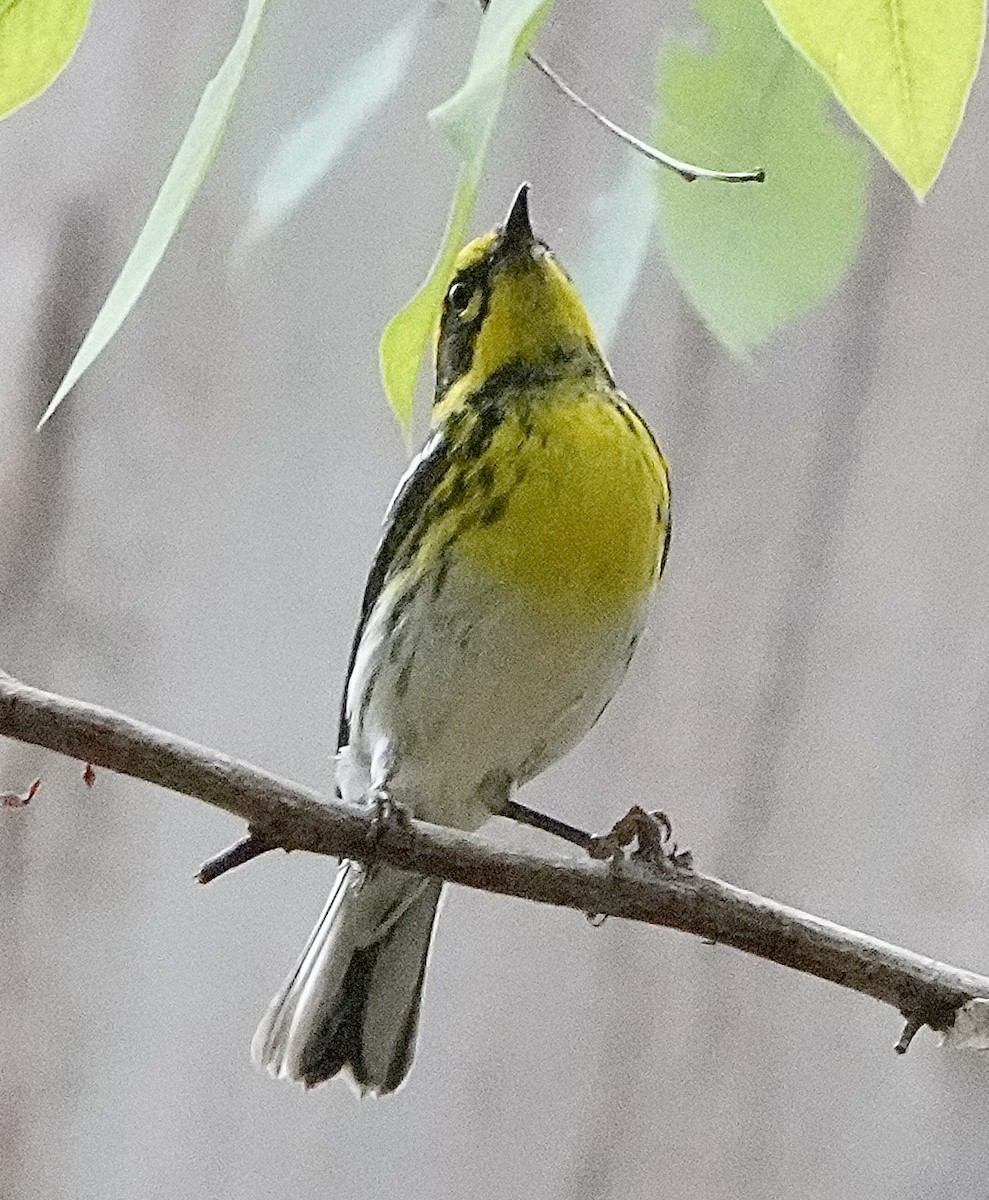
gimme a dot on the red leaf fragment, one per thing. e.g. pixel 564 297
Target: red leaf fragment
pixel 19 799
pixel 89 775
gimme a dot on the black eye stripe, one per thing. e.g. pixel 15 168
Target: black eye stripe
pixel 455 349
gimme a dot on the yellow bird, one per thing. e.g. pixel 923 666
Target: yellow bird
pixel 500 614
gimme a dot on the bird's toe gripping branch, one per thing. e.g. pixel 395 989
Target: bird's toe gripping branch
pixel 387 815
pixel 653 835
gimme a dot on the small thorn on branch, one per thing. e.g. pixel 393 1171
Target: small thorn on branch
pixel 19 799
pixel 236 855
pixel 910 1030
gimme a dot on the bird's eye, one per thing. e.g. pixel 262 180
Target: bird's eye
pixel 459 297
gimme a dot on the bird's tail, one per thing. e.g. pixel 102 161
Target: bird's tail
pixel 352 1001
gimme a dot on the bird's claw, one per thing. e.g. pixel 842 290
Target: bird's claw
pixel 653 834
pixel 387 814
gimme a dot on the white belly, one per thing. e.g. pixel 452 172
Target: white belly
pixel 469 691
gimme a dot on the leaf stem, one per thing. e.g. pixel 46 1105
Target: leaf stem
pixel 686 170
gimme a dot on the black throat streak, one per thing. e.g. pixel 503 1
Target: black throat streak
pixel 514 388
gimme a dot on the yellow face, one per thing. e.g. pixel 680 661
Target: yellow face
pixel 509 307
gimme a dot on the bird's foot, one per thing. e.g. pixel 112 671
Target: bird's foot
pixel 653 835
pixel 387 815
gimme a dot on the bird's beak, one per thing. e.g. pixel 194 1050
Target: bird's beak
pixel 517 237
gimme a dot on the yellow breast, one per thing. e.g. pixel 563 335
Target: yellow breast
pixel 581 512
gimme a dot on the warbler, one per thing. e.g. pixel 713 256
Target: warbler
pixel 502 609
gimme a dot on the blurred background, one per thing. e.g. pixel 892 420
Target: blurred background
pixel 187 542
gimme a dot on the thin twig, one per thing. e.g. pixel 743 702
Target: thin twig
pixel 686 170
pixel 287 815
pixel 248 848
pixel 912 1027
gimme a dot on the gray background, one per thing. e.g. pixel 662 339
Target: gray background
pixel 187 543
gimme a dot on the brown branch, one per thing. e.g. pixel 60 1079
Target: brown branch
pixel 252 846
pixel 287 815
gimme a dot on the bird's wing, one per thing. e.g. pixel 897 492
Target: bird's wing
pixel 414 488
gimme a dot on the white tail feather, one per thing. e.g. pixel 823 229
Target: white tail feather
pixel 352 1000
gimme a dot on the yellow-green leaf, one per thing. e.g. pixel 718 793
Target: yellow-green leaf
pixel 902 68
pixel 752 257
pixel 466 120
pixel 181 184
pixel 407 334
pixel 37 39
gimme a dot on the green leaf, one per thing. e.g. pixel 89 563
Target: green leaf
pixel 308 153
pixel 619 230
pixel 751 257
pixel 37 39
pixel 181 184
pixel 467 121
pixel 902 68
